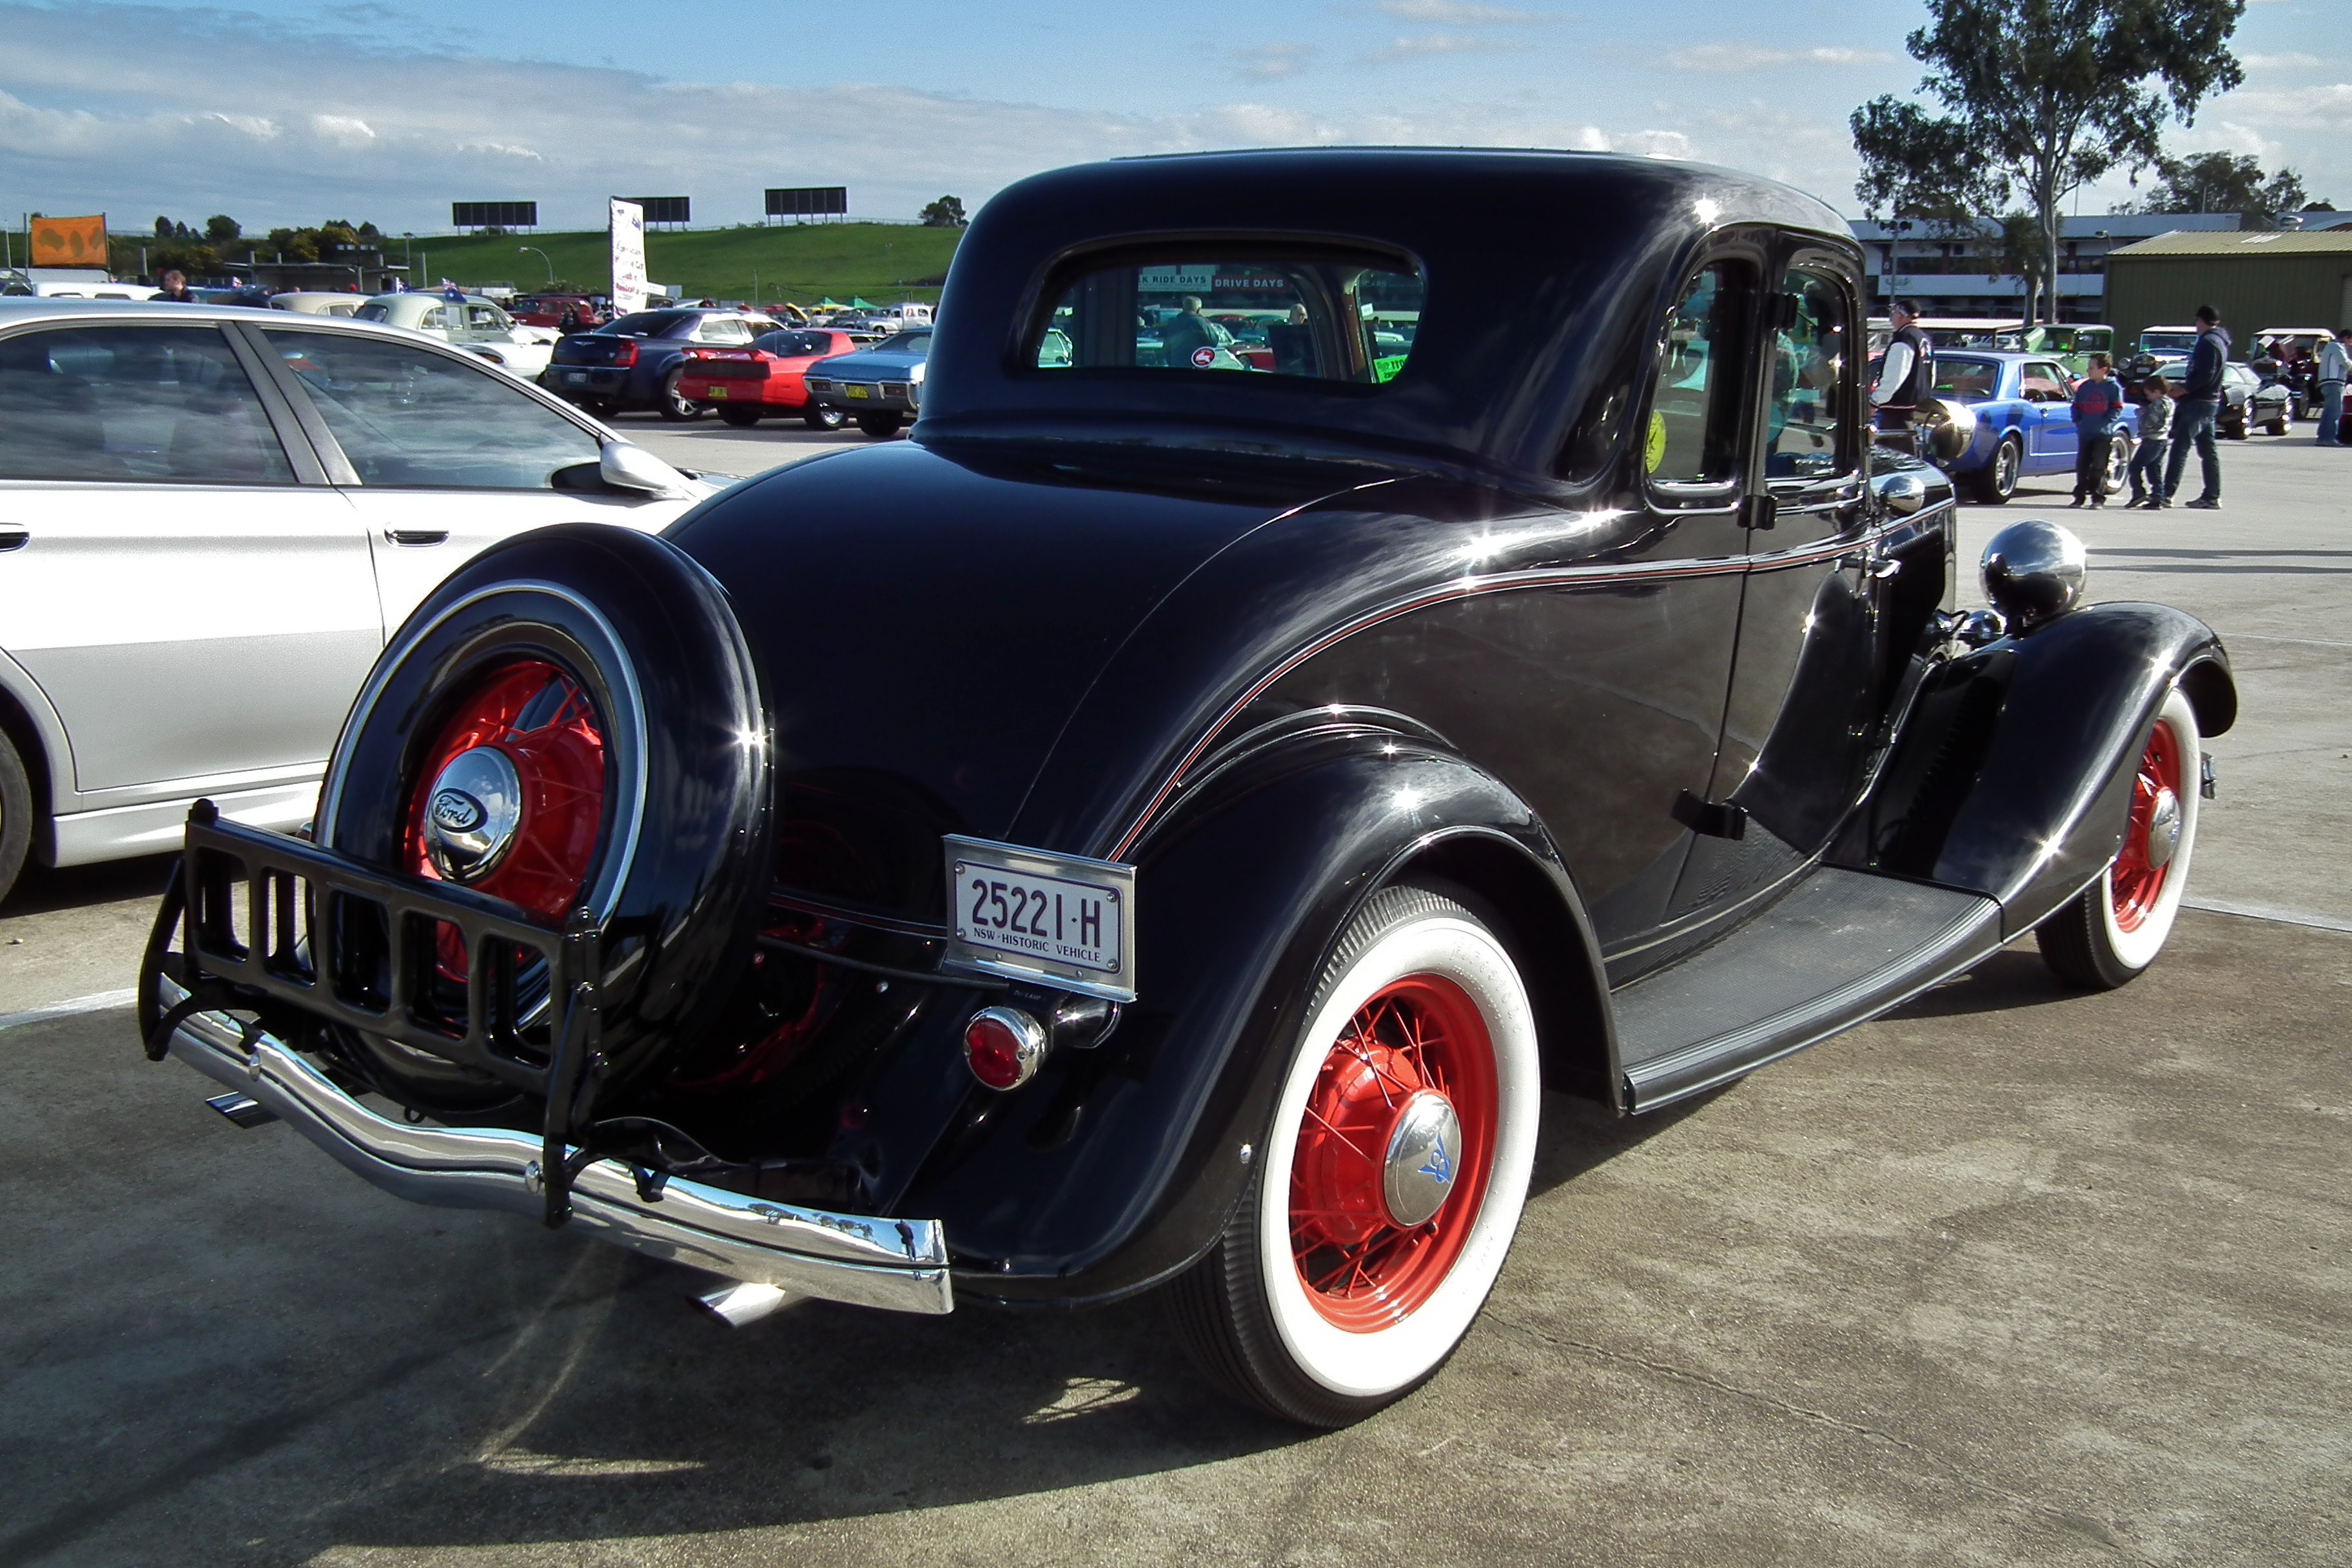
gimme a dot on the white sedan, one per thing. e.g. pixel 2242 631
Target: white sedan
pixel 210 520
pixel 475 324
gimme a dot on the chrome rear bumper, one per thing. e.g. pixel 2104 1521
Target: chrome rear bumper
pixel 899 1264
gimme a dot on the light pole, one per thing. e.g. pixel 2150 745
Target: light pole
pixel 542 256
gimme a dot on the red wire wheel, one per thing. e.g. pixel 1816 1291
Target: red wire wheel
pixel 2134 887
pixel 1362 1270
pixel 542 721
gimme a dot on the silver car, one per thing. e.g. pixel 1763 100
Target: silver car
pixel 210 518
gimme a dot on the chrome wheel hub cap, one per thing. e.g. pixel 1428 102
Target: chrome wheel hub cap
pixel 1424 1149
pixel 2164 828
pixel 472 814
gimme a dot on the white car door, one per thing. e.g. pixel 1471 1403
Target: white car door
pixel 196 614
pixel 443 457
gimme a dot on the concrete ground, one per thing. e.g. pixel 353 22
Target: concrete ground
pixel 2012 1276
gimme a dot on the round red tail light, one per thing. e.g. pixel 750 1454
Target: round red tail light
pixel 1002 1046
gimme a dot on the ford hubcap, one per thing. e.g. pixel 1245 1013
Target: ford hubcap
pixel 473 810
pixel 2163 828
pixel 1418 1173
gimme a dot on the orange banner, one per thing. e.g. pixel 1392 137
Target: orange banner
pixel 70 241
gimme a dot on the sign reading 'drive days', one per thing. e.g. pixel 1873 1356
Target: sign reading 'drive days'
pixel 628 257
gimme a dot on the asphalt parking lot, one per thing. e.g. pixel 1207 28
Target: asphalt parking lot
pixel 2013 1276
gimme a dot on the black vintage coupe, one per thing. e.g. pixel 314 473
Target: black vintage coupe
pixel 1163 826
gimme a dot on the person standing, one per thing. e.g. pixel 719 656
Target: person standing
pixel 2153 396
pixel 1904 373
pixel 2098 414
pixel 175 288
pixel 2333 362
pixel 2200 405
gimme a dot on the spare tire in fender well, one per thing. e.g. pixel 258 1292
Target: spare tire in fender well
pixel 680 862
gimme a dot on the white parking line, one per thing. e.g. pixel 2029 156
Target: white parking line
pixel 100 1003
pixel 2268 912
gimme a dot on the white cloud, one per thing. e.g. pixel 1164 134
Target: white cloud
pixel 1420 45
pixel 343 129
pixel 1268 62
pixel 1732 59
pixel 2283 62
pixel 2326 109
pixel 1456 14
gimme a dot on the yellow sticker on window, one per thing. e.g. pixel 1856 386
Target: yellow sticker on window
pixel 1653 447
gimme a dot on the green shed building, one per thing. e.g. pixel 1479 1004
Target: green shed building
pixel 2269 278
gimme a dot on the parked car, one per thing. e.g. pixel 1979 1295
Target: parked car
pixel 634 361
pixel 1161 830
pixel 313 302
pixel 2249 401
pixel 746 385
pixel 550 311
pixel 477 325
pixel 881 386
pixel 2025 421
pixel 165 470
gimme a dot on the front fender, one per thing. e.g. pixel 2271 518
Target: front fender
pixel 1117 1166
pixel 2012 775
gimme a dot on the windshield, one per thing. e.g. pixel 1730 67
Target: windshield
pixel 647 323
pixel 1966 377
pixel 1314 316
pixel 916 343
pixel 373 310
pixel 2167 342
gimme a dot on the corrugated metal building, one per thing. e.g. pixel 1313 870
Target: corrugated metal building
pixel 2255 280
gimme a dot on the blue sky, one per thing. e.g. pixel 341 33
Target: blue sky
pixel 278 112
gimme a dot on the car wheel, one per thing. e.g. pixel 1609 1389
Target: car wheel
pixel 1997 480
pixel 16 815
pixel 2109 933
pixel 674 406
pixel 594 676
pixel 2119 457
pixel 880 426
pixel 2280 425
pixel 742 418
pixel 1393 1174
pixel 823 419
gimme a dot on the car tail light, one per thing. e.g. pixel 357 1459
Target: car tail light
pixel 626 355
pixel 1004 1046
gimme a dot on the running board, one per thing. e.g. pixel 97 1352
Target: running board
pixel 1840 947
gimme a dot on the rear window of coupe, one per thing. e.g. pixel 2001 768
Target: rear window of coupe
pixel 1310 314
pixel 648 323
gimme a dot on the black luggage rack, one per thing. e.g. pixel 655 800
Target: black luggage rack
pixel 370 966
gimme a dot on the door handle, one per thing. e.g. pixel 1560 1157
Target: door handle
pixel 13 536
pixel 414 536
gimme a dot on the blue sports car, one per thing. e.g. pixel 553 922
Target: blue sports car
pixel 2025 420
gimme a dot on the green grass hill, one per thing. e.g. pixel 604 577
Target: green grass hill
pixel 885 263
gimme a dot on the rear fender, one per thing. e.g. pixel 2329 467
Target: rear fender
pixel 2012 775
pixel 1119 1166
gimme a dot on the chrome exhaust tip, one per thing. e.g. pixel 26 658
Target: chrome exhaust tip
pixel 243 1110
pixel 736 1302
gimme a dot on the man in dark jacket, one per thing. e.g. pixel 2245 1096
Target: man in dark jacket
pixel 1905 375
pixel 2200 404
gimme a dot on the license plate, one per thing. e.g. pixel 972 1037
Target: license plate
pixel 855 392
pixel 1061 919
pixel 717 393
pixel 575 377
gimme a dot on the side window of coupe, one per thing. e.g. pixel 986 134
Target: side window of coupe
pixel 1692 432
pixel 409 416
pixel 1810 368
pixel 134 404
pixel 1306 316
pixel 2044 384
pixel 1965 378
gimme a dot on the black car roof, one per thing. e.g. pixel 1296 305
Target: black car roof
pixel 1535 261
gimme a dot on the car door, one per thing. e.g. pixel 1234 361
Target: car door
pixel 442 456
pixel 194 601
pixel 2050 443
pixel 1796 723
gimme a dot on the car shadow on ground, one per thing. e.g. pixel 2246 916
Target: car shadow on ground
pixel 46 890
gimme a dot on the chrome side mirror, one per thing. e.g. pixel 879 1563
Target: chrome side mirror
pixel 2033 574
pixel 1904 493
pixel 631 468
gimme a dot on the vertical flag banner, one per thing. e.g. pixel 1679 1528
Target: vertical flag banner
pixel 70 241
pixel 628 257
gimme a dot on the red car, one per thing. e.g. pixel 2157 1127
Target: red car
pixel 747 385
pixel 548 310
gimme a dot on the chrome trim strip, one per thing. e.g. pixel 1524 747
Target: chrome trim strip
pixel 895 1265
pixel 609 879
